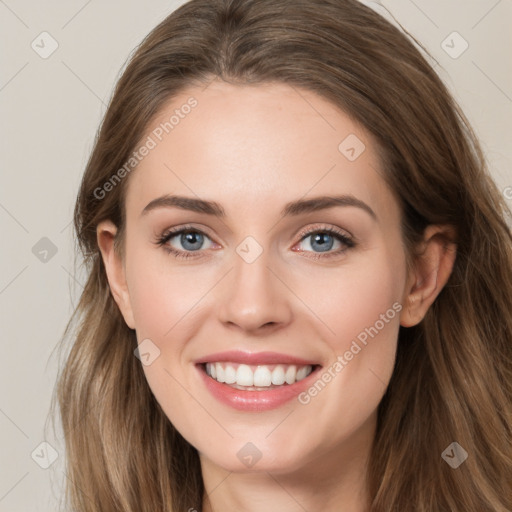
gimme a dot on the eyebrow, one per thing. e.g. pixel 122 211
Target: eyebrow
pixel 293 208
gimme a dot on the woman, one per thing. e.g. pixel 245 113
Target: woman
pixel 300 277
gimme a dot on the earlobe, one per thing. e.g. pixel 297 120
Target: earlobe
pixel 432 270
pixel 105 232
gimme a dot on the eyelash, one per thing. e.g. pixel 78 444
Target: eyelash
pixel 168 235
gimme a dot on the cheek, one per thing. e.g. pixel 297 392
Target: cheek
pixel 163 307
pixel 160 298
pixel 166 303
pixel 368 300
pixel 363 314
pixel 353 298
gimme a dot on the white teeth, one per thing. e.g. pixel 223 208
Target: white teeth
pixel 262 377
pixel 291 373
pixel 220 373
pixel 255 377
pixel 244 376
pixel 301 373
pixel 278 375
pixel 229 375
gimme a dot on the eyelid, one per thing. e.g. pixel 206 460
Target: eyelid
pixel 343 236
pixel 302 233
pixel 325 227
pixel 176 230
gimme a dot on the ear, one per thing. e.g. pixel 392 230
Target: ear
pixel 114 266
pixel 431 271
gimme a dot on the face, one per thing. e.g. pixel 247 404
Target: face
pixel 271 285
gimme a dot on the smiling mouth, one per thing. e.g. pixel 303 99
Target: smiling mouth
pixel 257 377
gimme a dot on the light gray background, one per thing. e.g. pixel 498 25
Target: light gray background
pixel 50 110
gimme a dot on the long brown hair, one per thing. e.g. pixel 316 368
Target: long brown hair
pixel 453 374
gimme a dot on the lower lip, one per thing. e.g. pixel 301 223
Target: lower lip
pixel 256 401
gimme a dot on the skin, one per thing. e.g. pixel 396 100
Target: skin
pixel 245 147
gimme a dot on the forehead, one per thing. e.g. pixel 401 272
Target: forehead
pixel 244 146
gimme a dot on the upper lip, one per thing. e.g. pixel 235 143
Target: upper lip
pixel 253 358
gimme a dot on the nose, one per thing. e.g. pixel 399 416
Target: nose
pixel 255 297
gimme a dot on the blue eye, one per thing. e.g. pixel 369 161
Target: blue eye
pixel 323 240
pixel 192 240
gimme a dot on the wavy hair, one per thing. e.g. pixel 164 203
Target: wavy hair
pixel 453 375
